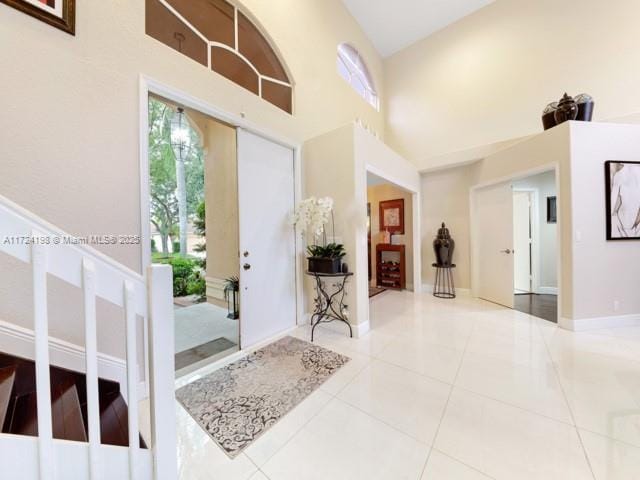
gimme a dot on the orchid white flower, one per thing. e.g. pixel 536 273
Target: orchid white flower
pixel 312 214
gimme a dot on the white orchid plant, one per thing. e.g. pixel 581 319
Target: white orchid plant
pixel 311 216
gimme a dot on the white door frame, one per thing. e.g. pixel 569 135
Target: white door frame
pixel 149 86
pixel 535 235
pixel 555 167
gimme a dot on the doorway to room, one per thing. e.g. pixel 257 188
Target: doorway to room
pixel 389 236
pixel 535 238
pixel 515 244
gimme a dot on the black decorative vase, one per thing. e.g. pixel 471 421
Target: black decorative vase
pixel 443 246
pixel 324 265
pixel 548 116
pixel 585 107
pixel 567 110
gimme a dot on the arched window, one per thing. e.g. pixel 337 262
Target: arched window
pixel 217 35
pixel 352 68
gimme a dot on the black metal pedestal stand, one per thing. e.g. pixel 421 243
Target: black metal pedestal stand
pixel 444 286
pixel 329 307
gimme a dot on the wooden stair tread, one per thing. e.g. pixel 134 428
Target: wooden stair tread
pixel 7 378
pixel 68 422
pixel 18 404
pixel 24 418
pixel 114 421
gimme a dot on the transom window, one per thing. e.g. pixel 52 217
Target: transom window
pixel 217 35
pixel 352 68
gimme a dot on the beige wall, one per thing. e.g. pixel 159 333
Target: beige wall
pixel 221 204
pixel 329 171
pixel 486 78
pixel 603 271
pixel 445 198
pixel 80 94
pixel 380 193
pixel 70 122
pixel 336 164
pixel 595 275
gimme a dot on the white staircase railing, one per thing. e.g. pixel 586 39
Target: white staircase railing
pixel 51 251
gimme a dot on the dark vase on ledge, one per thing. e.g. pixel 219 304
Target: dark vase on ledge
pixel 443 246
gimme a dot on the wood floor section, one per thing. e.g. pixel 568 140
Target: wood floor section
pixel 541 306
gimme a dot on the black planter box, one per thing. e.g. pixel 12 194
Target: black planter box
pixel 324 265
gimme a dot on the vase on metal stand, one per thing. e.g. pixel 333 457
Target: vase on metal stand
pixel 443 246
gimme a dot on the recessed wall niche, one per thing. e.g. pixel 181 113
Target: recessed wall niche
pixel 217 35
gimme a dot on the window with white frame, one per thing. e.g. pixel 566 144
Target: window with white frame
pixel 352 68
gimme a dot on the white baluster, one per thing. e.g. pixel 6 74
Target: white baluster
pixel 132 377
pixel 91 360
pixel 162 373
pixel 43 387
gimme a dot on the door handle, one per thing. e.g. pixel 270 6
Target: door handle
pixel 507 251
pixel 246 266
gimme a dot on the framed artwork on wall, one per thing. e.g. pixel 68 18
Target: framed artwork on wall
pixel 552 210
pixel 623 200
pixel 392 216
pixel 58 13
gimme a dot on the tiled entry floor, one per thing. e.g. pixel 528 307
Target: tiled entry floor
pixel 451 389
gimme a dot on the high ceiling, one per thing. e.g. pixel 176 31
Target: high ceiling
pixel 394 25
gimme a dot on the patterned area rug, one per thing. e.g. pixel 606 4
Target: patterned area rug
pixel 239 402
pixel 373 291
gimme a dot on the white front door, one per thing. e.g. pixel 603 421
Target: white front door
pixel 522 241
pixel 494 243
pixel 267 239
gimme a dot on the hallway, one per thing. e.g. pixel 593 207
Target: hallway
pixel 459 389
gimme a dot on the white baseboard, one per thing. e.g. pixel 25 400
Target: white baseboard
pixel 19 342
pixel 548 290
pixel 463 292
pixel 585 324
pixel 358 330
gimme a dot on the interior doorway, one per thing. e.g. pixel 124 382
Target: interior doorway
pixel 536 245
pixel 389 236
pixel 515 244
pixel 522 241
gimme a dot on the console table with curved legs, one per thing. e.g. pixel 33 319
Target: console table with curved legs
pixel 329 306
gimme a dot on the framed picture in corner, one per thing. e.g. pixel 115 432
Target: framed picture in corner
pixel 57 13
pixel 552 210
pixel 622 186
pixel 392 216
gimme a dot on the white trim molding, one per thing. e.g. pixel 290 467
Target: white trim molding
pixel 358 329
pixel 462 292
pixel 547 290
pixel 20 342
pixel 596 323
pixel 215 288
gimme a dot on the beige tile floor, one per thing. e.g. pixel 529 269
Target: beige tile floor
pixel 451 389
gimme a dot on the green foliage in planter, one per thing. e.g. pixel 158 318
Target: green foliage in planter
pixel 331 250
pixel 231 284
